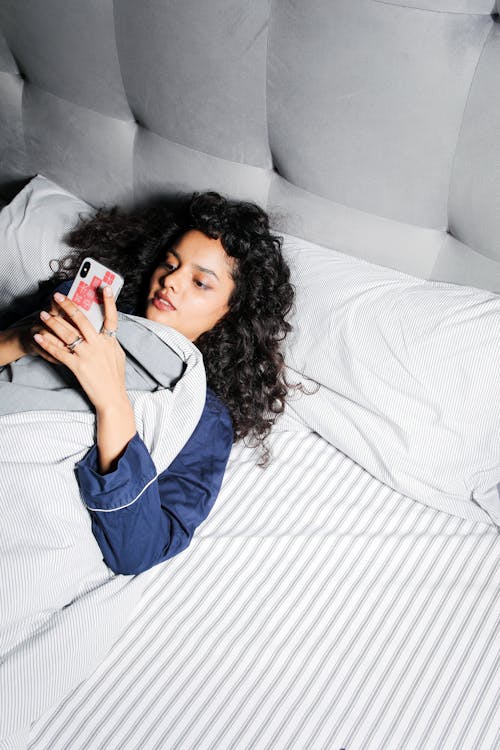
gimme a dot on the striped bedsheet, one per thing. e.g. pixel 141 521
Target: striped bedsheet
pixel 316 608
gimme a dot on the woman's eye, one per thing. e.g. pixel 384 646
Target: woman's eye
pixel 200 284
pixel 168 267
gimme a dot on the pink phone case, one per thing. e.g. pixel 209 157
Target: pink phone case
pixel 92 276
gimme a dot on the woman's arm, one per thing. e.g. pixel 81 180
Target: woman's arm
pixel 140 519
pixel 115 428
pixel 98 362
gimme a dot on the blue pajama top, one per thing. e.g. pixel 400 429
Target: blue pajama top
pixel 139 518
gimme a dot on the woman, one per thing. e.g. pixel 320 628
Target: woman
pixel 215 273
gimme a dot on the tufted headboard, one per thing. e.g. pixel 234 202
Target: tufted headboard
pixel 369 126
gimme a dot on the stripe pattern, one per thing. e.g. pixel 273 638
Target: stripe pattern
pixel 61 607
pixel 316 608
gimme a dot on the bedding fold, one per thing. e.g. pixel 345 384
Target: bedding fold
pixel 61 607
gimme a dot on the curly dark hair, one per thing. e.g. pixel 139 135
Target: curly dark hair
pixel 242 353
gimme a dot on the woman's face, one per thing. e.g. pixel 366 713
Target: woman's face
pixel 190 290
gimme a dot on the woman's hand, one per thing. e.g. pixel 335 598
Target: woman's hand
pixel 26 335
pixel 98 361
pixel 17 341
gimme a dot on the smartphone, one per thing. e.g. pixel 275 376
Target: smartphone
pixel 93 276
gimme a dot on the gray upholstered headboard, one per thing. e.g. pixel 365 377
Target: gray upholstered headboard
pixel 369 126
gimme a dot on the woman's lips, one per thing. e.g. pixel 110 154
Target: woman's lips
pixel 162 304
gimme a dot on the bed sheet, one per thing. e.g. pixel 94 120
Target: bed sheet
pixel 316 608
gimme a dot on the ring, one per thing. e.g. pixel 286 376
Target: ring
pixel 75 343
pixel 108 332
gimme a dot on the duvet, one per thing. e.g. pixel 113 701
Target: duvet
pixel 61 608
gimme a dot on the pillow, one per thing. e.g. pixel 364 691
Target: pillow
pixel 409 376
pixel 31 230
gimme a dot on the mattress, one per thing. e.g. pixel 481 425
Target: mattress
pixel 315 608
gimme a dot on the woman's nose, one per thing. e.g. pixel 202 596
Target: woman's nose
pixel 171 280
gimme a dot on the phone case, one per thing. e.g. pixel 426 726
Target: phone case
pixel 92 276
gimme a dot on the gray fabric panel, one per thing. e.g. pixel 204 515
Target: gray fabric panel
pixel 426 253
pixel 410 249
pixel 474 203
pixel 367 115
pixel 84 151
pixel 12 150
pixel 195 73
pixel 484 7
pixel 68 48
pixel 356 106
pixel 162 167
pixel 7 62
pixel 460 264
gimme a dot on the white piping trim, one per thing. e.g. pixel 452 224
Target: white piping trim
pixel 127 505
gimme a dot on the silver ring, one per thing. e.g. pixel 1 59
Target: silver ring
pixel 75 343
pixel 109 332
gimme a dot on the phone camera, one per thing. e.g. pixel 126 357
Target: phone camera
pixel 85 270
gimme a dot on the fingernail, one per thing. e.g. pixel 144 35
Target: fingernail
pixel 44 315
pixel 108 291
pixel 58 297
pixel 38 338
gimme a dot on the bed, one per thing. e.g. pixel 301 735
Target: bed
pixel 345 597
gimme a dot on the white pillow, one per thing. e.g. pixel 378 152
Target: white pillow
pixel 31 230
pixel 409 374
